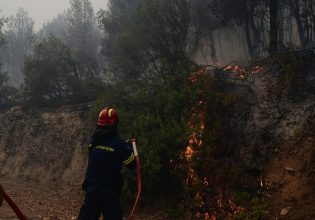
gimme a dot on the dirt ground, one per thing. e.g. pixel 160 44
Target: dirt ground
pixel 289 182
pixel 6 213
pixel 41 201
pixel 50 202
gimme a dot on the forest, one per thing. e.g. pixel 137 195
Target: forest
pixel 135 40
pixel 146 58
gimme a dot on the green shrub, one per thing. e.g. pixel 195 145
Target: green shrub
pixel 255 209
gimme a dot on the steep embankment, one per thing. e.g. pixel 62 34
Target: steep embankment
pixel 289 181
pixel 280 139
pixel 44 145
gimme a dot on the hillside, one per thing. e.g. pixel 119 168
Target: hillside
pixel 44 144
pixel 272 142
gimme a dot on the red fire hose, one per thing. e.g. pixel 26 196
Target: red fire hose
pixel 133 141
pixel 13 206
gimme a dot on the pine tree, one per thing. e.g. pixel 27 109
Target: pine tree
pixel 19 39
pixel 83 37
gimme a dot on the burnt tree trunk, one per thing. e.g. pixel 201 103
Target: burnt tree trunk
pixel 213 52
pixel 281 27
pixel 312 20
pixel 247 34
pixel 247 27
pixel 273 5
pixel 296 11
pixel 256 41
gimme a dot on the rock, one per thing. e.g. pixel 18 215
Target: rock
pixel 290 170
pixel 285 211
pixel 276 150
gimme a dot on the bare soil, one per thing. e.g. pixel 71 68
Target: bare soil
pixel 289 180
pixel 51 202
pixel 41 201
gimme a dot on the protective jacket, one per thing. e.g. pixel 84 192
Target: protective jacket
pixel 107 154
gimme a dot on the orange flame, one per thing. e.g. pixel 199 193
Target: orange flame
pixel 196 122
pixel 189 152
pixel 241 72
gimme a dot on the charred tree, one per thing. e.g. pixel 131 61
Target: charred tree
pixel 273 4
pixel 295 7
pixel 256 41
pixel 250 29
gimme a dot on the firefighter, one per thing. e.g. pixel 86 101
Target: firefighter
pixel 103 180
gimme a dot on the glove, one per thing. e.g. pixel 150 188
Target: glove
pixel 129 144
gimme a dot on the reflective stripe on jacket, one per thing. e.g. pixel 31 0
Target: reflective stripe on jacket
pixel 106 160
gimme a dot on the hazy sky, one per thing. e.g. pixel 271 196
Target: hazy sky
pixel 42 10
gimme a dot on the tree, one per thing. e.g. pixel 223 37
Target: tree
pixel 7 93
pixel 57 27
pixel 248 14
pixel 52 76
pixel 49 73
pixel 18 39
pixel 83 37
pixel 2 36
pixel 303 13
pixel 77 29
pixel 148 38
pixel 272 22
pixel 274 7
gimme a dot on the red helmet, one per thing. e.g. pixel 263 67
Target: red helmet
pixel 108 117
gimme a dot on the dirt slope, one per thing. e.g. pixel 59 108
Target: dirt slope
pixel 289 181
pixel 44 145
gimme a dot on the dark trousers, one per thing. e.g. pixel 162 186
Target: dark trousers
pixel 100 200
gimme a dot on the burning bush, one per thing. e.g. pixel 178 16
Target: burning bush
pixel 209 163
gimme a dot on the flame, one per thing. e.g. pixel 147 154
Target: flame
pixel 227 68
pixel 213 216
pixel 220 199
pixel 256 70
pixel 195 77
pixel 207 216
pixel 189 153
pixel 196 124
pixel 265 184
pixel 241 73
pixel 235 209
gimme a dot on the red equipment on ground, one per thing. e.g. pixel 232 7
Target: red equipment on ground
pixel 13 206
pixel 135 151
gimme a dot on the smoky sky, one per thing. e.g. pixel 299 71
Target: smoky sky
pixel 42 10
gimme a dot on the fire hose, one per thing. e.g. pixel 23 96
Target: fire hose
pixel 135 151
pixel 13 206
